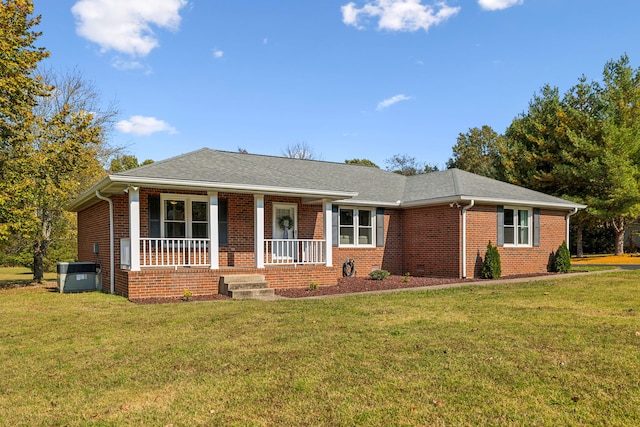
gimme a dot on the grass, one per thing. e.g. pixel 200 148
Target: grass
pixel 607 259
pixel 581 268
pixel 19 276
pixel 552 352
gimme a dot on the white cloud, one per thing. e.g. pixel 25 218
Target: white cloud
pixel 498 4
pixel 217 53
pixel 398 15
pixel 393 100
pixel 123 65
pixel 125 25
pixel 143 126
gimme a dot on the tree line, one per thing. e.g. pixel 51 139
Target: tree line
pixel 54 143
pixel 582 145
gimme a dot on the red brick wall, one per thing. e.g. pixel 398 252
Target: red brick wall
pixel 387 258
pixel 152 283
pixel 431 237
pixel 93 227
pixel 240 252
pixel 168 283
pixel 482 227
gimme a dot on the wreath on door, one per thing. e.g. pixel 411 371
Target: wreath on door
pixel 285 222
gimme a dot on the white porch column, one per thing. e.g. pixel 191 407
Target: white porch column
pixel 259 229
pixel 214 248
pixel 328 228
pixel 134 227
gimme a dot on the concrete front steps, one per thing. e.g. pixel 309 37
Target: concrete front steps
pixel 245 286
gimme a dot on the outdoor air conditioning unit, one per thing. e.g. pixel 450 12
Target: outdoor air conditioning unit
pixel 79 276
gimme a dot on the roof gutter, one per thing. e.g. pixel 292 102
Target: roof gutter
pixel 111 242
pixel 246 188
pixel 111 180
pixel 464 237
pixel 567 219
pixel 491 201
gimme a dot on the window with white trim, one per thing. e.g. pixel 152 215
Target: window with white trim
pixel 184 216
pixel 517 227
pixel 356 227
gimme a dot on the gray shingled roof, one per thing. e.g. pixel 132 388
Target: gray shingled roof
pixel 211 169
pixel 212 166
pixel 456 183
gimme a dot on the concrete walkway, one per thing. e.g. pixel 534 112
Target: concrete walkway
pixel 461 284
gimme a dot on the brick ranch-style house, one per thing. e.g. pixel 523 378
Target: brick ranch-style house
pixel 185 222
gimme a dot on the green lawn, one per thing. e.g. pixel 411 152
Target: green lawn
pixel 560 352
pixel 19 276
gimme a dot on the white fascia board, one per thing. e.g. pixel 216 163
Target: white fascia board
pixel 122 180
pixel 511 202
pixel 345 202
pixel 240 188
pixel 88 195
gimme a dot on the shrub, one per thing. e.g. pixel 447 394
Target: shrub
pixel 491 267
pixel 405 279
pixel 562 259
pixel 313 286
pixel 379 274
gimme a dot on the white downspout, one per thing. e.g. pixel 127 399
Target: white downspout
pixel 569 215
pixel 112 283
pixel 464 237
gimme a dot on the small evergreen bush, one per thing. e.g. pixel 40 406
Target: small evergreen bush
pixel 379 274
pixel 491 267
pixel 562 259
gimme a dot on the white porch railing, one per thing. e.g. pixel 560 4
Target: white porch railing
pixel 294 251
pixel 174 252
pixel 195 252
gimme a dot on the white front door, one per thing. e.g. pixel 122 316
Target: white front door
pixel 285 230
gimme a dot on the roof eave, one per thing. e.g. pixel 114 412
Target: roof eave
pixel 493 201
pixel 356 202
pixel 119 182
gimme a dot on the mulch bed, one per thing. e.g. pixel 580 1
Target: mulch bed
pixel 364 284
pixel 348 285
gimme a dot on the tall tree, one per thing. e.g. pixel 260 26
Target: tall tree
pixel 124 162
pixel 63 156
pixel 621 159
pixel 299 150
pixel 19 58
pixel 584 146
pixel 478 151
pixel 404 164
pixel 362 162
pixel 19 89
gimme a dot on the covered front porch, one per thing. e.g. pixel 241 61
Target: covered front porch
pixel 206 231
pixel 175 253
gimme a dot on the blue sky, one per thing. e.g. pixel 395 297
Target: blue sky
pixel 351 79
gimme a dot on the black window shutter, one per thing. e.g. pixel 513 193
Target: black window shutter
pixel 223 222
pixel 500 226
pixel 380 227
pixel 536 227
pixel 335 230
pixel 154 215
